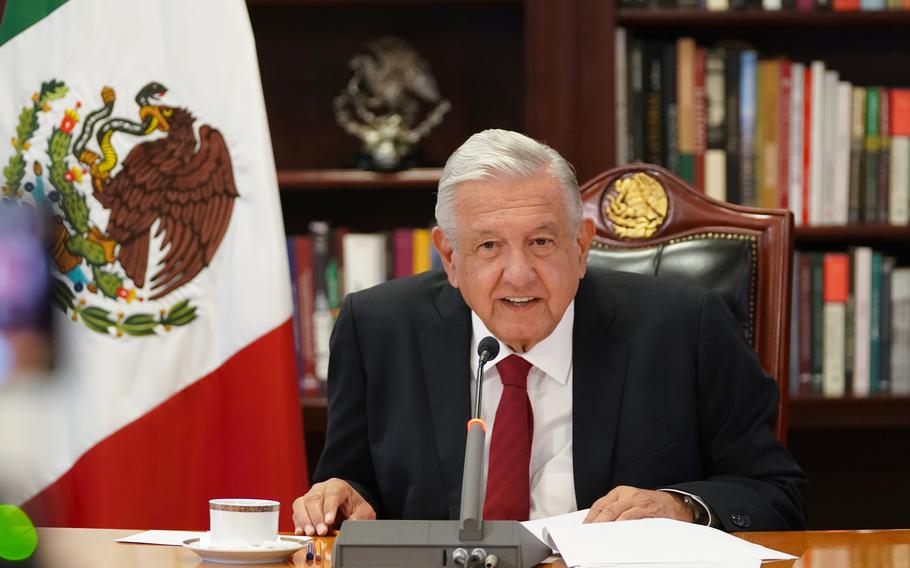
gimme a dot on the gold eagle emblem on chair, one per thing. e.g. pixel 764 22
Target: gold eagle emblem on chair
pixel 636 206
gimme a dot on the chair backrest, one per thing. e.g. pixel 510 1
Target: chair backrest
pixel 650 221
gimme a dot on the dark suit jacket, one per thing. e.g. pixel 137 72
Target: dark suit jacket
pixel 667 394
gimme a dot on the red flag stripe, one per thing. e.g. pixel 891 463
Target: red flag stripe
pixel 236 432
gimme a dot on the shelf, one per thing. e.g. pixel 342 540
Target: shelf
pixel 819 413
pixel 317 180
pixel 853 235
pixel 681 18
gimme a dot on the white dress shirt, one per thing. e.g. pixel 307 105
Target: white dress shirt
pixel 550 393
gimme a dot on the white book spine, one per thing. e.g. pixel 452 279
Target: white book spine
pixel 771 4
pixel 816 158
pixel 834 340
pixel 716 174
pixel 622 106
pixel 717 5
pixel 862 286
pixel 899 197
pixel 365 260
pixel 900 331
pixel 795 175
pixel 841 165
pixel 829 128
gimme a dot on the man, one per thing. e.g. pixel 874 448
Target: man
pixel 634 397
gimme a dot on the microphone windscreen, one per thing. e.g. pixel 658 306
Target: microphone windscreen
pixel 490 345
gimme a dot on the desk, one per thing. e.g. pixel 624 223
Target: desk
pixel 95 548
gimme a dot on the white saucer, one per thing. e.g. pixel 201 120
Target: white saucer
pixel 247 556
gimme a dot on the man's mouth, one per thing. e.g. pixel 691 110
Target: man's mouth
pixel 519 301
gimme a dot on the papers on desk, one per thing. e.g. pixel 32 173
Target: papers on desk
pixel 647 542
pixel 170 538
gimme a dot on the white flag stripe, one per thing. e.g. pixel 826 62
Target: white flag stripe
pixel 209 66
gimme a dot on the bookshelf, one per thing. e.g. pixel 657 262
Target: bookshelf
pixel 546 68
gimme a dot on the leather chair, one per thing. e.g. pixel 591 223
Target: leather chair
pixel 649 221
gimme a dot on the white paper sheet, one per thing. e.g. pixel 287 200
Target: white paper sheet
pixel 654 541
pixel 170 538
pixel 540 527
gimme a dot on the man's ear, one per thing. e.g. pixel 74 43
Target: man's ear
pixel 446 251
pixel 585 237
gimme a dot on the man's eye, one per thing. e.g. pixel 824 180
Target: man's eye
pixel 488 245
pixel 541 241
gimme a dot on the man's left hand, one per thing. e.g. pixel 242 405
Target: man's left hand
pixel 625 503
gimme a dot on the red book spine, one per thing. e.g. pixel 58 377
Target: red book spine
pixel 783 137
pixel 403 252
pixel 306 295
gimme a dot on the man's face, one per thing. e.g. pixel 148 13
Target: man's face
pixel 517 259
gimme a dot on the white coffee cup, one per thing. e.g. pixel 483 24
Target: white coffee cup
pixel 239 522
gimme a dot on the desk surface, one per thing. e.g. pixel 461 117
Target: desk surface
pixel 95 548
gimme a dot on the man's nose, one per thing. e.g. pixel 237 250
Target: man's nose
pixel 519 269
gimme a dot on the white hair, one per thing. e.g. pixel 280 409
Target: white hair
pixel 502 155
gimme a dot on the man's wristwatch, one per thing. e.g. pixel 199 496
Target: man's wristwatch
pixel 699 514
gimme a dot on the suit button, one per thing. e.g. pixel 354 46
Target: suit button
pixel 741 520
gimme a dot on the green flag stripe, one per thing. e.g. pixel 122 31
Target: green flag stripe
pixel 21 14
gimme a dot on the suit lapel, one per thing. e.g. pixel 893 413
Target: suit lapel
pixel 444 347
pixel 600 362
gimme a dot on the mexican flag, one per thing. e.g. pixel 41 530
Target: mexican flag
pixel 140 127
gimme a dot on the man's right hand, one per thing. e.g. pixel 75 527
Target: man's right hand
pixel 327 502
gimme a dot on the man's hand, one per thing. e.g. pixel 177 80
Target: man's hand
pixel 624 503
pixel 316 511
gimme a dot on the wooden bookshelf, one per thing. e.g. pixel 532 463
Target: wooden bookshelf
pixel 852 234
pixel 691 18
pixel 315 180
pixel 819 413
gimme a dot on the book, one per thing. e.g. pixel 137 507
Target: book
pixel 653 56
pixel 872 149
pixel 805 323
pixel 716 153
pixel 795 162
pixel 875 323
pixel 841 154
pixel 900 331
pixel 785 86
pixel 403 252
pixel 731 116
pixel 817 156
pixel 747 101
pixel 323 320
pixel 620 93
pixel 884 154
pixel 856 192
pixel 836 282
pixel 685 104
pixel 826 187
pixel 862 297
pixel 421 251
pixel 365 260
pixel 884 369
pixel 303 247
pixel 767 124
pixel 807 145
pixel 899 189
pixel 636 143
pixel 817 319
pixel 669 110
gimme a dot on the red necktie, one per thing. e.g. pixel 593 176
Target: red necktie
pixel 508 477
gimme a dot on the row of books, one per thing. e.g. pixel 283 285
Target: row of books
pixel 850 328
pixel 328 262
pixel 766 132
pixel 771 5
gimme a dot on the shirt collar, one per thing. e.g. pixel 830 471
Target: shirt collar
pixel 553 355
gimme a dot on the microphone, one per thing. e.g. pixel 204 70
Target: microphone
pixel 471 498
pixel 420 543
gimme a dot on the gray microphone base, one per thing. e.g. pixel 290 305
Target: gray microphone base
pixel 378 544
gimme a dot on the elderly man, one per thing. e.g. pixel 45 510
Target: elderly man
pixel 623 393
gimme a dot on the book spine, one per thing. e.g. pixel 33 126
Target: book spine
pixel 322 315
pixel 306 308
pixel 875 323
pixel 884 382
pixel 827 184
pixel 871 155
pixel 685 102
pixel 857 153
pixel 805 324
pixel 900 331
pixel 620 94
pixel 653 63
pixel 817 157
pixel 636 146
pixel 793 383
pixel 841 165
pixel 818 283
pixel 295 300
pixel 422 260
pixel 766 133
pixel 862 279
pixel 747 95
pixel 731 98
pixel 669 110
pixel 807 145
pixel 403 248
pixel 783 134
pixel 836 283
pixel 701 122
pixel 899 200
pixel 884 159
pixel 797 92
pixel 715 155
